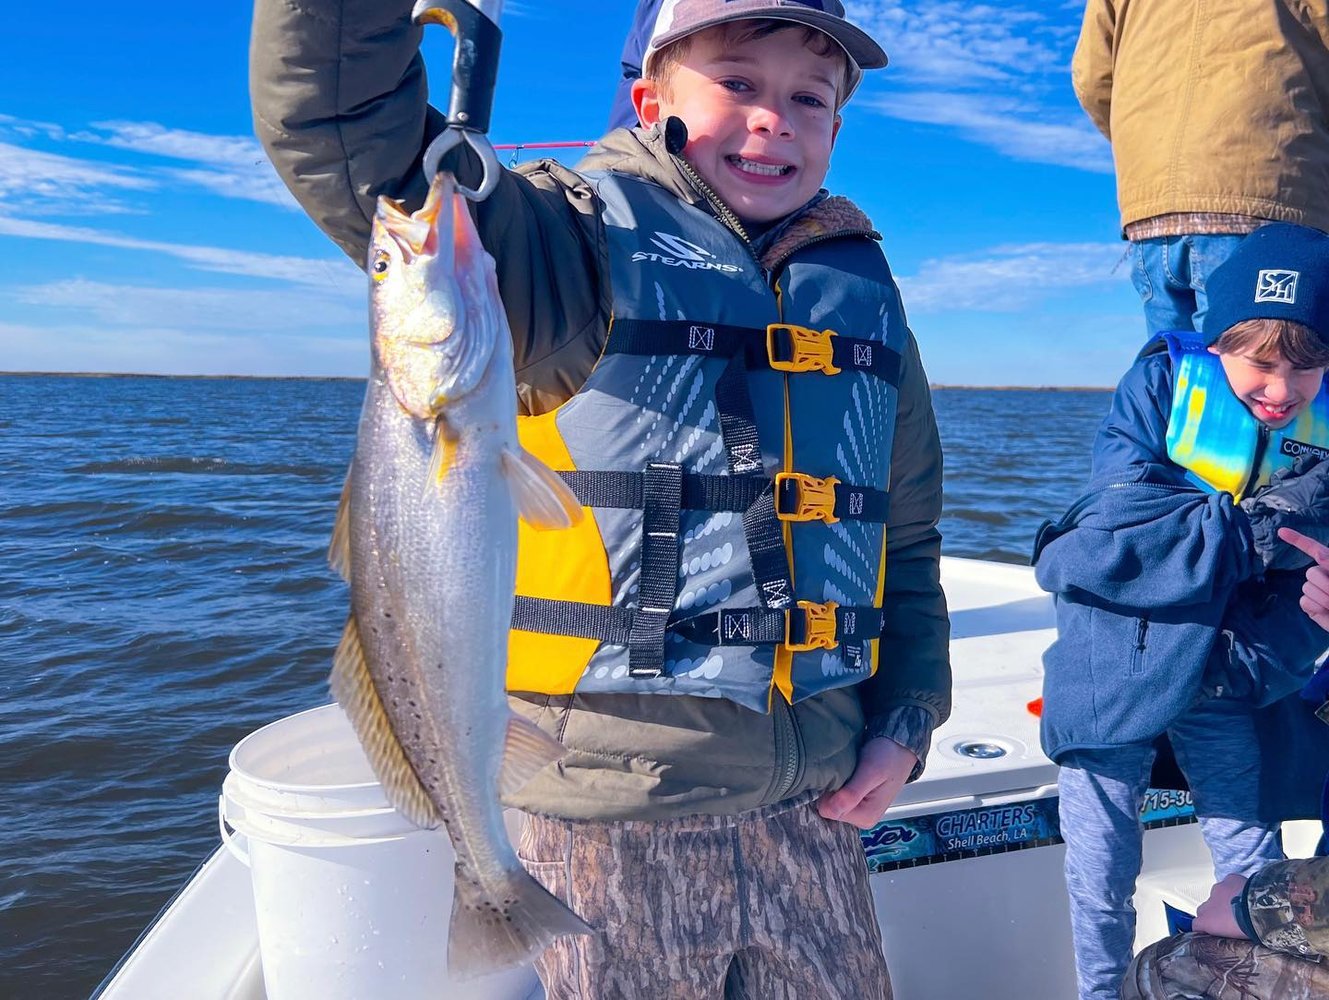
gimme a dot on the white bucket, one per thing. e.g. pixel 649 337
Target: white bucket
pixel 352 900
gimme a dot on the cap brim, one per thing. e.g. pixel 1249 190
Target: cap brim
pixel 861 48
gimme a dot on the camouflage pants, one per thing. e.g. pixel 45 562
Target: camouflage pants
pixel 770 905
pixel 1194 966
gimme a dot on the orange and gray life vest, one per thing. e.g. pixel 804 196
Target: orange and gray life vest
pixel 732 450
pixel 1218 440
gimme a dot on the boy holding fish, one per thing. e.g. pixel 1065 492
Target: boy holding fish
pixel 712 353
pixel 1179 580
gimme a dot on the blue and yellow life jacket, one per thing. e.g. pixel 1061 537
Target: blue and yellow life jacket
pixel 1212 434
pixel 732 450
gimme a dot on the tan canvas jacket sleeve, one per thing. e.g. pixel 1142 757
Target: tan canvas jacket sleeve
pixel 1091 66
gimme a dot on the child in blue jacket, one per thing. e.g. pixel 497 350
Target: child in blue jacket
pixel 1177 604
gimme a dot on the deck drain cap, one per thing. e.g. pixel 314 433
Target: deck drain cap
pixel 981 751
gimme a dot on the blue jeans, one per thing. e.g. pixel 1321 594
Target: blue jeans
pixel 1101 793
pixel 1170 273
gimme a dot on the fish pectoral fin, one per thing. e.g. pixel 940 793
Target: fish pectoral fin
pixel 527 750
pixel 339 549
pixel 353 687
pixel 444 453
pixel 543 500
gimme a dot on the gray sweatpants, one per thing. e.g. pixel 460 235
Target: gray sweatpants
pixel 772 904
pixel 1101 793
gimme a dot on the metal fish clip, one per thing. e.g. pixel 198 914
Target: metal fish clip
pixel 474 26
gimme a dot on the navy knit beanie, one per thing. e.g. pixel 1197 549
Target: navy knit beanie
pixel 1280 271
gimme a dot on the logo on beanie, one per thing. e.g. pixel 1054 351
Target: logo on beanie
pixel 1277 286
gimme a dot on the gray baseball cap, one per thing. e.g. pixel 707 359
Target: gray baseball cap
pixel 683 17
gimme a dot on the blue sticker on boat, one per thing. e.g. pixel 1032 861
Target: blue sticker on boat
pixel 970 833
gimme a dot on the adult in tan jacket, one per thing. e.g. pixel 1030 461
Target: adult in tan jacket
pixel 1218 114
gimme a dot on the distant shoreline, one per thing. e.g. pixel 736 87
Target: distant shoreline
pixel 361 378
pixel 248 378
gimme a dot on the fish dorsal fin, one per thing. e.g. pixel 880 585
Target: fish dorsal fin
pixel 543 500
pixel 354 690
pixel 526 750
pixel 339 549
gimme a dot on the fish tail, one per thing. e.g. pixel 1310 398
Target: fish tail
pixel 490 932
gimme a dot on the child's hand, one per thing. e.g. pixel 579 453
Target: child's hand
pixel 1315 591
pixel 1215 914
pixel 883 768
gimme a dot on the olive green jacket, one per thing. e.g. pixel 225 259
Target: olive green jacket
pixel 339 100
pixel 1211 105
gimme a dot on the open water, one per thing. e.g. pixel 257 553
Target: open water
pixel 164 591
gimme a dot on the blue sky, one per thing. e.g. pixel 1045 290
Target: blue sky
pixel 143 230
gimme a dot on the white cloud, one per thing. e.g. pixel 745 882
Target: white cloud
pixel 46 183
pixel 999 75
pixel 1013 127
pixel 179 144
pixel 951 41
pixel 214 309
pixel 175 350
pixel 1009 278
pixel 49 183
pixel 333 273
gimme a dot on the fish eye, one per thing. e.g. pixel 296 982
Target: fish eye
pixel 379 268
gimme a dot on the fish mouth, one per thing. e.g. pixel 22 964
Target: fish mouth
pixel 416 233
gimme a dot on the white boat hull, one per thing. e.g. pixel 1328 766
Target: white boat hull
pixel 967 884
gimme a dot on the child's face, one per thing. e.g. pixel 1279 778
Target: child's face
pixel 1273 390
pixel 760 115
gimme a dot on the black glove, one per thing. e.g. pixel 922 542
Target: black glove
pixel 1297 497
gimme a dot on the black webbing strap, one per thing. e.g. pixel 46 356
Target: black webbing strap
pixel 651 336
pixel 643 336
pixel 608 624
pixel 870 356
pixel 738 429
pixel 730 627
pixel 756 627
pixel 658 582
pixel 628 490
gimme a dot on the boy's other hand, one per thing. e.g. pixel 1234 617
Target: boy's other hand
pixel 1215 914
pixel 883 768
pixel 1315 591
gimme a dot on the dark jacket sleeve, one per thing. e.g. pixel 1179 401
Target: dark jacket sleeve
pixel 1270 644
pixel 1134 433
pixel 914 655
pixel 339 99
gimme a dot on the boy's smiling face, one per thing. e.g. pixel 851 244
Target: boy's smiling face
pixel 760 115
pixel 1271 388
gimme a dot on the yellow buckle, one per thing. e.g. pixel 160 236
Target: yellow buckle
pixel 811 348
pixel 816 497
pixel 820 627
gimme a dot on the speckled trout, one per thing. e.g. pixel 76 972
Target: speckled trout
pixel 427 537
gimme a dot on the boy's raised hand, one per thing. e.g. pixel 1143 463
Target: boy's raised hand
pixel 883 768
pixel 1315 591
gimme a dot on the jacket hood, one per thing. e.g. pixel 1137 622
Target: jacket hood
pixel 639 152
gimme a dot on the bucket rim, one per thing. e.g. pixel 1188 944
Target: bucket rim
pixel 291 786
